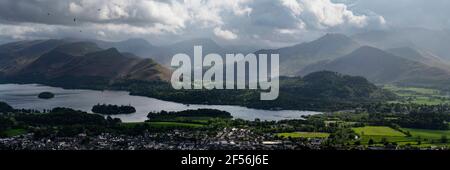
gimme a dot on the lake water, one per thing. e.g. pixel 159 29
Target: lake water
pixel 25 96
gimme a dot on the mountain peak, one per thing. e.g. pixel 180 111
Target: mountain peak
pixel 78 48
pixel 332 41
pixel 364 50
pixel 334 38
pixel 110 52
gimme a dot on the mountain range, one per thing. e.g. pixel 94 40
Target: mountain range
pixel 64 61
pixel 295 58
pixel 395 57
pixel 381 59
pixel 434 41
pixel 382 67
pixel 163 54
pixel 424 57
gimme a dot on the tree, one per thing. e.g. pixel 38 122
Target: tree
pixel 371 142
pixel 444 139
pixel 5 123
pixel 46 95
pixel 5 107
pixel 419 140
pixel 113 109
pixel 384 141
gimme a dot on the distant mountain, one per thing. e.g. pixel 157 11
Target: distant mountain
pixel 382 67
pixel 295 58
pixel 139 47
pixel 243 49
pixel 435 41
pixel 78 48
pixel 82 62
pixel 17 55
pixel 420 56
pixel 164 54
pixel 187 47
pixel 209 46
pixel 31 48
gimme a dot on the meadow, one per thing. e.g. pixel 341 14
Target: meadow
pixel 403 136
pixel 13 132
pixel 377 131
pixel 418 95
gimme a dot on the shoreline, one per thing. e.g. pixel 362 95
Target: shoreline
pixel 238 112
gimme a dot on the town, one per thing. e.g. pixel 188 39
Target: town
pixel 425 128
pixel 227 139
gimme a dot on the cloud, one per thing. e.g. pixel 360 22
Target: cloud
pixel 271 21
pixel 168 16
pixel 224 34
pixel 407 13
pixel 18 32
pixel 324 14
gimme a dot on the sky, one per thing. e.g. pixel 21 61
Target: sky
pixel 271 23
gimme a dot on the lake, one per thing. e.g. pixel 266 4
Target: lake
pixel 25 96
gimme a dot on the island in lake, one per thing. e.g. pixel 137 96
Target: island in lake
pixel 46 95
pixel 113 109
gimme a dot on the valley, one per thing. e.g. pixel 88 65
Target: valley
pixel 335 92
pixel 227 84
pixel 419 95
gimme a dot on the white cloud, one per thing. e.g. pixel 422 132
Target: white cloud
pixel 324 14
pixel 224 34
pixel 23 32
pixel 277 21
pixel 295 7
pixel 287 31
pixel 171 14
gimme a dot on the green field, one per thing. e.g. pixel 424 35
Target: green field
pixel 304 135
pixel 13 132
pixel 428 134
pixel 379 133
pixel 418 95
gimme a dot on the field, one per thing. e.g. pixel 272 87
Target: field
pixel 377 131
pixel 13 132
pixel 428 134
pixel 418 95
pixel 418 137
pixel 303 135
